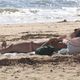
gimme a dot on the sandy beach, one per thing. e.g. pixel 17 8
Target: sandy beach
pixel 35 67
pixel 25 32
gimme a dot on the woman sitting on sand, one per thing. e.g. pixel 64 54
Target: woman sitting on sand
pixel 72 45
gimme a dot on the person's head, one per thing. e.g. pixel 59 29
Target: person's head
pixel 76 33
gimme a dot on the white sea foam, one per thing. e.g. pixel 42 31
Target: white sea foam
pixel 33 15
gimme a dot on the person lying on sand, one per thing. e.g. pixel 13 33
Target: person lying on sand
pixel 73 44
pixel 26 47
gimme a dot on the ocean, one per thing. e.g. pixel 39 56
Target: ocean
pixel 32 11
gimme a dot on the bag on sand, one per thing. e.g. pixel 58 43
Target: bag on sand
pixel 45 50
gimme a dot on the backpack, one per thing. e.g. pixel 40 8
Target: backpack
pixel 45 50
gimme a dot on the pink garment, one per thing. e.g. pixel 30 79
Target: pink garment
pixel 73 45
pixel 75 41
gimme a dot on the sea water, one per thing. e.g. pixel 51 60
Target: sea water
pixel 32 11
pixel 33 15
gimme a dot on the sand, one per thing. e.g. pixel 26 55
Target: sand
pixel 35 67
pixel 23 32
pixel 40 68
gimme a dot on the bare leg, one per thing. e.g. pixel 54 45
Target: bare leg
pixel 4 45
pixel 21 47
